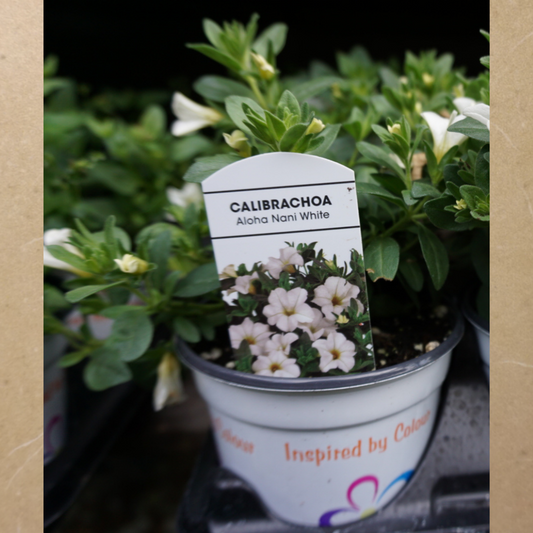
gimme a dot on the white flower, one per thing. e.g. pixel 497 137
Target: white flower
pixel 169 388
pixel 443 139
pixel 244 285
pixel 335 295
pixel 191 116
pixel 316 126
pixel 59 237
pixel 319 327
pixel 276 364
pixel 288 257
pixel 463 102
pixel 288 309
pixel 266 70
pixel 131 264
pixel 190 193
pixel 281 343
pixel 335 352
pixel 228 272
pixel 238 141
pixel 215 353
pixel 254 333
pixel 479 112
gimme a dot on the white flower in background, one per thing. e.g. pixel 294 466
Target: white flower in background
pixel 335 352
pixel 319 327
pixel 190 193
pixel 131 264
pixel 479 112
pixel 244 285
pixel 316 126
pixel 335 295
pixel 169 388
pixel 288 257
pixel 277 365
pixel 463 102
pixel 281 343
pixel 228 272
pixel 443 139
pixel 266 70
pixel 191 116
pixel 287 309
pixel 59 237
pixel 254 333
pixel 215 353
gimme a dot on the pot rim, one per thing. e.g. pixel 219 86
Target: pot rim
pixel 471 315
pixel 326 383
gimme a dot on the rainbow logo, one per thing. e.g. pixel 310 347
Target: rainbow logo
pixel 325 519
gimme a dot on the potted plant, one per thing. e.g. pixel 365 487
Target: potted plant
pixel 326 433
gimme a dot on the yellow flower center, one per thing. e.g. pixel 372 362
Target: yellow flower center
pixel 336 300
pixel 249 340
pixel 275 366
pixel 335 353
pixel 288 312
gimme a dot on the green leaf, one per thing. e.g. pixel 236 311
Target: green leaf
pixel 131 335
pixel 117 310
pixel 217 55
pixel 381 157
pixel 159 253
pixel 119 234
pixel 411 271
pixel 421 190
pixel 154 120
pixel 435 255
pixel 105 369
pixel 64 255
pixel 115 177
pixel 186 329
pixel 288 100
pixel 382 257
pixel 485 61
pixel 188 147
pixel 482 170
pixel 217 88
pixel 471 128
pixel 435 210
pixel 292 136
pixel 203 167
pixel 376 190
pixel 472 196
pixel 328 134
pixel 201 280
pixel 82 292
pixel 236 112
pixel 408 197
pixel 212 31
pixel 276 126
pixel 485 34
pixel 276 34
pixel 313 87
pixel 72 358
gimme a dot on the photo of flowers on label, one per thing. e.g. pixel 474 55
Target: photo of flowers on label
pixel 300 314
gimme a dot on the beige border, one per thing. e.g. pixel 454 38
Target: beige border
pixel 21 279
pixel 511 400
pixel 21 389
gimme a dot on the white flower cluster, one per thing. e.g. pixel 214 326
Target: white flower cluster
pixel 288 311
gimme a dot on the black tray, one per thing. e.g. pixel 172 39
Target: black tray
pixel 449 492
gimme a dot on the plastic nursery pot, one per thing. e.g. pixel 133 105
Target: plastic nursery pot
pixel 481 328
pixel 54 397
pixel 325 451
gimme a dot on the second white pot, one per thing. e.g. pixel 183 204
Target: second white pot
pixel 325 451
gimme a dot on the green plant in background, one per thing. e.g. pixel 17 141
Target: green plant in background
pixel 422 174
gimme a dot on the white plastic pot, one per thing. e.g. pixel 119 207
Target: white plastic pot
pixel 324 451
pixel 481 328
pixel 54 397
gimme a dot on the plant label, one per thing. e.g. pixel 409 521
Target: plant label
pixel 287 243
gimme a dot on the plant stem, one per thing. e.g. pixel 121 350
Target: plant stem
pixel 355 153
pixel 252 82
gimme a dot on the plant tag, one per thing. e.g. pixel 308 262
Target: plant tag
pixel 288 248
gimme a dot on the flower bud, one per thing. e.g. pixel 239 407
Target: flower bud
pixel 169 388
pixel 428 79
pixel 238 141
pixel 228 272
pixel 336 90
pixel 266 70
pixel 342 320
pixel 316 126
pixel 395 128
pixel 403 80
pixel 458 91
pixel 418 108
pixel 460 205
pixel 131 264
